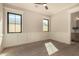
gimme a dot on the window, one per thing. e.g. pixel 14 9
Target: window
pixel 14 23
pixel 45 25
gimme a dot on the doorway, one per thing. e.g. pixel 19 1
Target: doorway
pixel 75 27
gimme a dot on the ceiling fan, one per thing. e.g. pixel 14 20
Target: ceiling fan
pixel 43 4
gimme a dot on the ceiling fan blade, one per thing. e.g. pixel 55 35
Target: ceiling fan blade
pixel 40 3
pixel 46 7
pixel 43 4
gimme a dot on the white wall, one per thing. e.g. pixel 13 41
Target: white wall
pixel 1 26
pixel 32 28
pixel 60 27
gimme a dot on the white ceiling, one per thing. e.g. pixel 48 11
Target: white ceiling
pixel 53 7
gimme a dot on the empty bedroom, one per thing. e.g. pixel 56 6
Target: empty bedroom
pixel 38 29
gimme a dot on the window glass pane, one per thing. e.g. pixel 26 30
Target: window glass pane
pixel 14 22
pixel 45 28
pixel 11 18
pixel 45 25
pixel 18 19
pixel 11 27
pixel 18 29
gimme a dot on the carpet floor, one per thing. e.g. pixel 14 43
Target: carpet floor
pixel 39 49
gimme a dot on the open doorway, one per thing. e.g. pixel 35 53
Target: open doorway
pixel 75 27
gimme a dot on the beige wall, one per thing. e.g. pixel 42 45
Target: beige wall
pixel 60 27
pixel 1 26
pixel 32 28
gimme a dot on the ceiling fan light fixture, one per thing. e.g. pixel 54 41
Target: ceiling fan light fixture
pixel 44 4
